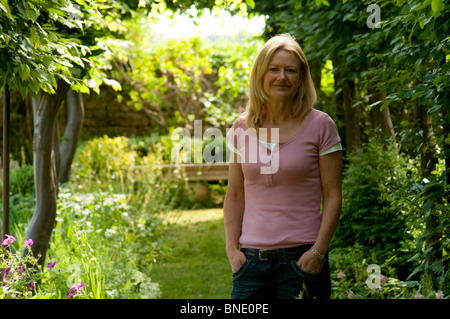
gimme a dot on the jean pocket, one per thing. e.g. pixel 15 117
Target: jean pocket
pixel 241 269
pixel 306 275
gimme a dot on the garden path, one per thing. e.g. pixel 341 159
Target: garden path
pixel 195 265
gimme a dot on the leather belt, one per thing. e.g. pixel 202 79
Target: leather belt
pixel 265 254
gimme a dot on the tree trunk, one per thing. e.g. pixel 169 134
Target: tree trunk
pixel 381 118
pixel 316 74
pixel 45 109
pixel 446 133
pixel 352 126
pixel 429 164
pixel 446 148
pixel 29 117
pixel 74 123
pixel 428 148
pixel 57 149
pixel 6 149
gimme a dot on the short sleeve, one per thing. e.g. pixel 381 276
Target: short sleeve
pixel 336 147
pixel 328 134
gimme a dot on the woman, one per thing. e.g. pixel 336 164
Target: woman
pixel 279 224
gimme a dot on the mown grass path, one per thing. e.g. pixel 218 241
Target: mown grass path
pixel 195 265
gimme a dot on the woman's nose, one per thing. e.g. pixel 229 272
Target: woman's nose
pixel 282 74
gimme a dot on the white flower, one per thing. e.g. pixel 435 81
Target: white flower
pixel 439 295
pixel 418 295
pixel 110 232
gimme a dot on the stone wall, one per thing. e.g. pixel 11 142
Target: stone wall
pixel 104 114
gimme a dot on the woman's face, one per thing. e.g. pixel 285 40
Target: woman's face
pixel 282 77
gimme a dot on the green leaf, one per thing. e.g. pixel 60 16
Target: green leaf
pixel 5 7
pixel 417 255
pixel 410 284
pixel 250 3
pixel 31 14
pixel 420 6
pixel 418 268
pixel 56 12
pixel 436 266
pixel 114 84
pixel 243 8
pixel 437 6
pixel 5 37
pixel 34 38
pixel 374 104
pixel 34 87
pixel 64 78
pixel 162 7
pixel 80 87
pixel 427 205
pixel 419 242
pixel 24 71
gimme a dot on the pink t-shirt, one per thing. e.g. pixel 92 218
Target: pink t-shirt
pixel 282 209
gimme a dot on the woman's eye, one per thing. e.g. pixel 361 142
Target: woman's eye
pixel 273 69
pixel 291 71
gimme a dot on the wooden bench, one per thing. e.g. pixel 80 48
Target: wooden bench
pixel 197 175
pixel 196 172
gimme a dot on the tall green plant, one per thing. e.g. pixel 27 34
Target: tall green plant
pixel 368 216
pixel 425 199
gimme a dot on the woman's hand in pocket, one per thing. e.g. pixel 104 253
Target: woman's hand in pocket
pixel 236 258
pixel 310 263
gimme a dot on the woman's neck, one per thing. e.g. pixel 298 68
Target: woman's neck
pixel 277 112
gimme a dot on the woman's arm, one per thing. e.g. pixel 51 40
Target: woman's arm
pixel 233 211
pixel 330 166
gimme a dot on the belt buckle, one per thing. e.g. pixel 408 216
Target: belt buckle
pixel 259 254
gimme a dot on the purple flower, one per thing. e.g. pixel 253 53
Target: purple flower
pixel 30 286
pixel 70 295
pixel 9 240
pixel 28 243
pixel 74 289
pixel 51 265
pixel 22 267
pixel 5 272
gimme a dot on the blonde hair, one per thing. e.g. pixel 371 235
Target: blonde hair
pixel 306 95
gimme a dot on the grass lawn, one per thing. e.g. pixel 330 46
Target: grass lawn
pixel 195 265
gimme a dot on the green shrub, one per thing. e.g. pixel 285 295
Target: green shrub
pixel 356 274
pixel 94 242
pixel 429 223
pixel 105 158
pixel 368 216
pixel 22 180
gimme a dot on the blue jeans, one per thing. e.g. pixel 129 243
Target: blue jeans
pixel 280 278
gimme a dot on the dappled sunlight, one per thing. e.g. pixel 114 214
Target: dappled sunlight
pixel 186 217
